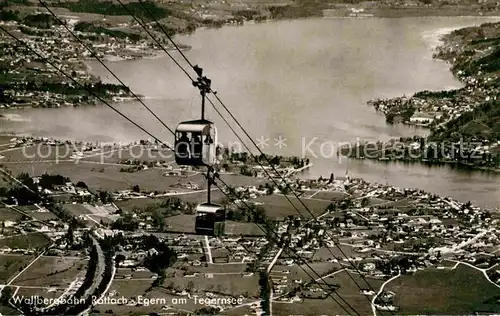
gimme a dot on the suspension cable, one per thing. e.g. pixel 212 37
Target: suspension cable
pixel 46 60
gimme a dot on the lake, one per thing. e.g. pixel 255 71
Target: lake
pixel 302 81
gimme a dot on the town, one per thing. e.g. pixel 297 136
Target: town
pixel 83 230
pixel 462 122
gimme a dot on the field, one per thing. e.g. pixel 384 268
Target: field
pixel 108 177
pixel 460 291
pixel 38 152
pixel 132 288
pixel 56 272
pixel 43 216
pixel 100 177
pixel 328 195
pixel 296 272
pixel 277 206
pixel 378 201
pixel 133 204
pixel 122 272
pixel 45 292
pixel 7 310
pixel 114 155
pixel 324 254
pixel 181 223
pixel 76 209
pixel 10 265
pixel 25 241
pixel 228 284
pixel 186 224
pixel 349 292
pixel 219 268
pixel 7 214
pixel 244 229
pixel 35 212
pixel 186 195
pixel 220 254
pixel 447 263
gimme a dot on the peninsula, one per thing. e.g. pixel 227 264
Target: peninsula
pixel 464 123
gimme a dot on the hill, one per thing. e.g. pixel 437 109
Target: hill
pixel 474 54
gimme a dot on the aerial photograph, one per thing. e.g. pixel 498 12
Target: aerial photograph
pixel 249 157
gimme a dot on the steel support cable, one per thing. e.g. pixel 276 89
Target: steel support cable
pixel 50 63
pixel 253 142
pixel 294 206
pixel 46 60
pixel 165 33
pixel 327 234
pixel 246 133
pixel 297 256
pixel 82 86
pixel 154 39
pixel 103 64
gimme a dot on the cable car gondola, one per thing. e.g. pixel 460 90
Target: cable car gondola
pixel 210 219
pixel 195 143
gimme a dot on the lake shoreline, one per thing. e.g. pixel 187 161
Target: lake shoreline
pixel 420 108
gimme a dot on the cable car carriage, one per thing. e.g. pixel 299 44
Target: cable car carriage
pixel 210 219
pixel 195 143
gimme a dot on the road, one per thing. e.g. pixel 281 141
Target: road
pixel 22 271
pixel 59 257
pixel 208 250
pixel 26 268
pixel 273 262
pixel 113 272
pixel 473 239
pixel 483 271
pixel 98 274
pixel 291 172
pixel 269 268
pixel 189 192
pixel 35 287
pixel 374 307
pixel 15 179
pixel 314 194
pixel 329 275
pixel 387 251
pixel 70 288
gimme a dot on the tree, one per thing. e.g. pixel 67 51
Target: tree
pixel 259 215
pixel 190 286
pixel 275 161
pixel 6 295
pixel 2 94
pixel 284 189
pixel 81 184
pixel 158 219
pixel 125 222
pixel 70 236
pixel 136 188
pixel 105 197
pixel 119 258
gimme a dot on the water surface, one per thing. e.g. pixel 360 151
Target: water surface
pixel 301 80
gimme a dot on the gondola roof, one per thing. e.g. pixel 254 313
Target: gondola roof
pixel 193 126
pixel 208 208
